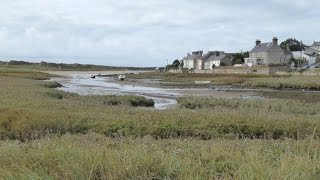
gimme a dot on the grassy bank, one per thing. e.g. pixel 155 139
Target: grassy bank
pixel 238 80
pixel 96 157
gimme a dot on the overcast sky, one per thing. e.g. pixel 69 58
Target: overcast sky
pixel 146 32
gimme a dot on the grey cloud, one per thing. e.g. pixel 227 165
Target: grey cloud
pixel 146 32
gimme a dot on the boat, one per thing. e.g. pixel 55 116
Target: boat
pixel 121 77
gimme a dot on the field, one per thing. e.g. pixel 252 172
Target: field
pixel 49 134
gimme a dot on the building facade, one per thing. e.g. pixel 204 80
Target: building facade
pixel 216 59
pixel 191 60
pixel 268 54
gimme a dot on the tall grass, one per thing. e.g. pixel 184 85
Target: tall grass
pixel 96 157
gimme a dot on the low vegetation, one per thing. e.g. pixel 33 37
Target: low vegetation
pixel 295 82
pixel 238 80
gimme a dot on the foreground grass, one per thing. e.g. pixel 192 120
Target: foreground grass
pixel 96 157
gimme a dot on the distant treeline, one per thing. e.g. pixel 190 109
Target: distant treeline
pixel 63 66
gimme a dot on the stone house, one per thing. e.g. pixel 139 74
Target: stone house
pixel 268 54
pixel 216 58
pixel 191 61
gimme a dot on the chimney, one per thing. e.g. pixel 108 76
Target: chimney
pixel 197 53
pixel 275 40
pixel 258 42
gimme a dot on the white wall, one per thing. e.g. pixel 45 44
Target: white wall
pixel 188 64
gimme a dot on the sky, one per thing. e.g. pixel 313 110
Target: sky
pixel 146 32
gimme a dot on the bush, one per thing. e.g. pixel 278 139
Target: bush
pixel 51 85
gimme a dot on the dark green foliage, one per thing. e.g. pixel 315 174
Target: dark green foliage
pixel 238 58
pixel 176 63
pixel 222 64
pixel 51 85
pixel 294 45
pixel 135 101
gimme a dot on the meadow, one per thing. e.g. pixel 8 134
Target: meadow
pixel 49 134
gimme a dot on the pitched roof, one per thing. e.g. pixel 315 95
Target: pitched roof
pixel 263 47
pixel 310 52
pixel 192 57
pixel 211 56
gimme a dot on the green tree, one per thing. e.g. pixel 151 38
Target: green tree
pixel 176 63
pixel 222 64
pixel 181 64
pixel 294 45
pixel 238 58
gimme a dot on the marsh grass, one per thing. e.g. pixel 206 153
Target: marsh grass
pixel 93 156
pixel 30 111
pixel 24 73
pixel 311 97
pixel 294 82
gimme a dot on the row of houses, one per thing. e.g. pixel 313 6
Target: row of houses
pixel 269 53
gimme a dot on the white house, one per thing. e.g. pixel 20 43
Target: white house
pixel 191 60
pixel 309 55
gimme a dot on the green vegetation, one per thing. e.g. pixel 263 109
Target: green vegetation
pixel 238 58
pixel 49 134
pixel 294 82
pixel 312 97
pixel 294 45
pixel 93 156
pixel 23 73
pixel 51 84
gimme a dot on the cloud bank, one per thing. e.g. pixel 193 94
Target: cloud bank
pixel 146 32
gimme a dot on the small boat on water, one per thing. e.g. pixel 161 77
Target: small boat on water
pixel 121 77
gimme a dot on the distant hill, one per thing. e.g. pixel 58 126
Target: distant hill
pixel 65 67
